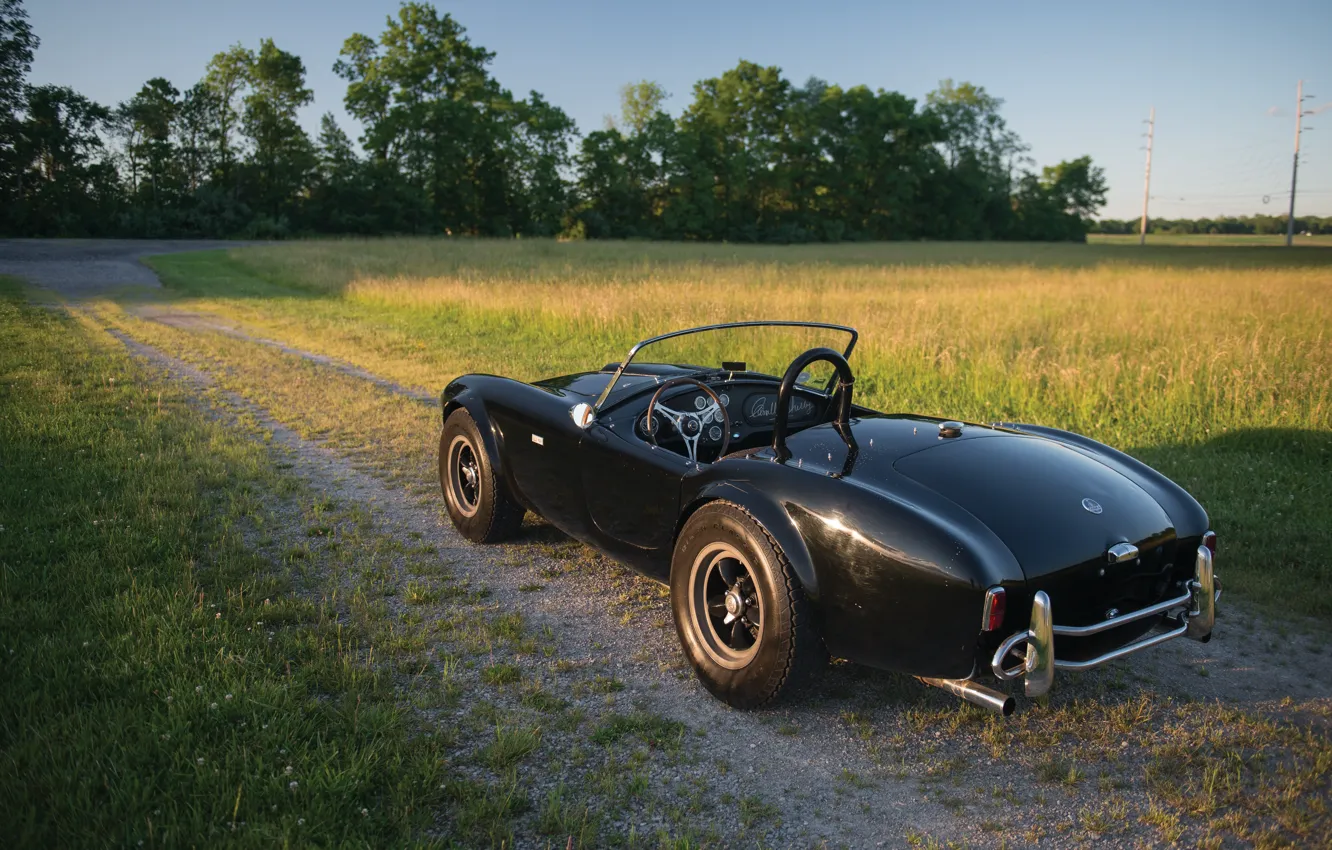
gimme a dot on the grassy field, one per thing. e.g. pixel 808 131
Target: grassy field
pixel 1219 375
pixel 1214 365
pixel 168 680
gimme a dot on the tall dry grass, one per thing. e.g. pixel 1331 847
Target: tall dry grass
pixel 1129 351
pixel 1212 364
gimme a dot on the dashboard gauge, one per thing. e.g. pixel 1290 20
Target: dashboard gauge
pixel 700 402
pixel 725 400
pixel 715 434
pixel 656 425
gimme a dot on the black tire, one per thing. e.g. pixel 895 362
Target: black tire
pixel 478 500
pixel 786 651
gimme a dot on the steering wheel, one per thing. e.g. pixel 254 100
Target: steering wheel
pixel 690 423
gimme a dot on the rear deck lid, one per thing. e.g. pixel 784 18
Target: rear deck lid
pixel 1055 509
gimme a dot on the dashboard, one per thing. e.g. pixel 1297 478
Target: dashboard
pixel 752 408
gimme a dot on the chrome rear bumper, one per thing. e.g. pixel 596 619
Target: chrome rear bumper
pixel 1192 615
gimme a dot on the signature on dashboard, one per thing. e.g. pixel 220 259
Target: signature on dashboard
pixel 764 408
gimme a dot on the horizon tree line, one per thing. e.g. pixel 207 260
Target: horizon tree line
pixel 445 149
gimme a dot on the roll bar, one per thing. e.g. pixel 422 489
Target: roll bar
pixel 845 381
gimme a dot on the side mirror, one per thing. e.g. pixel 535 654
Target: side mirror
pixel 583 415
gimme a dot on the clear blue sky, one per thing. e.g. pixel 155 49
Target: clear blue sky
pixel 1077 78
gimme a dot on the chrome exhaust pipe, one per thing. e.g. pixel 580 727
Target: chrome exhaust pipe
pixel 975 694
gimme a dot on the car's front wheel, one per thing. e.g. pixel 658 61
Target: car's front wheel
pixel 478 502
pixel 740 611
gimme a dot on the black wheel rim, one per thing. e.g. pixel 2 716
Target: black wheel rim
pixel 725 605
pixel 464 476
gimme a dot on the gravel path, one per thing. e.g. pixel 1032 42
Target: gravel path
pixel 845 764
pixel 83 267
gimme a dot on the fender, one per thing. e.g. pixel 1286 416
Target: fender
pixel 457 394
pixel 769 514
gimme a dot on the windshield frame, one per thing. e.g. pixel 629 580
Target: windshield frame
pixel 620 370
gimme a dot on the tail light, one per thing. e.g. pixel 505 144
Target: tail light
pixel 993 615
pixel 1209 540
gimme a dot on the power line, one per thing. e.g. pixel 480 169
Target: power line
pixel 1300 112
pixel 1147 179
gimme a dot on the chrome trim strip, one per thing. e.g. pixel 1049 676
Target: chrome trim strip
pixel 1150 611
pixel 619 370
pixel 1122 651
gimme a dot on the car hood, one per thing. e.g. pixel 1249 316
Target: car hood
pixel 1054 508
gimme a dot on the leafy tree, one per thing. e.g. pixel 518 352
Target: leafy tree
pixel 194 133
pixel 983 161
pixel 341 197
pixel 147 121
pixel 429 104
pixel 17 45
pixel 68 186
pixel 737 120
pixel 1077 187
pixel 541 141
pixel 1059 204
pixel 639 104
pixel 281 153
pixel 227 75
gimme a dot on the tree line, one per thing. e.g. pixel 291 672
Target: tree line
pixel 1238 225
pixel 444 148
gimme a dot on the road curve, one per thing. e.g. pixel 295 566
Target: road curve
pixel 79 268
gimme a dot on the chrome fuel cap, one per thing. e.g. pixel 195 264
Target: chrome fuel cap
pixel 950 429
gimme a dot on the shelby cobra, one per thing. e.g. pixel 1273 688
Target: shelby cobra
pixel 790 522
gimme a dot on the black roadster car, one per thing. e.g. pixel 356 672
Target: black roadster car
pixel 731 462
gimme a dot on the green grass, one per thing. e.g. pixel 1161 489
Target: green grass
pixel 163 684
pixel 1211 363
pixel 651 729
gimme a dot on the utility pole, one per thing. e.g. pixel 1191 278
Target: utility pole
pixel 1147 178
pixel 1300 112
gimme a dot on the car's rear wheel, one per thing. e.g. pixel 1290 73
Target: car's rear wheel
pixel 740 611
pixel 478 502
